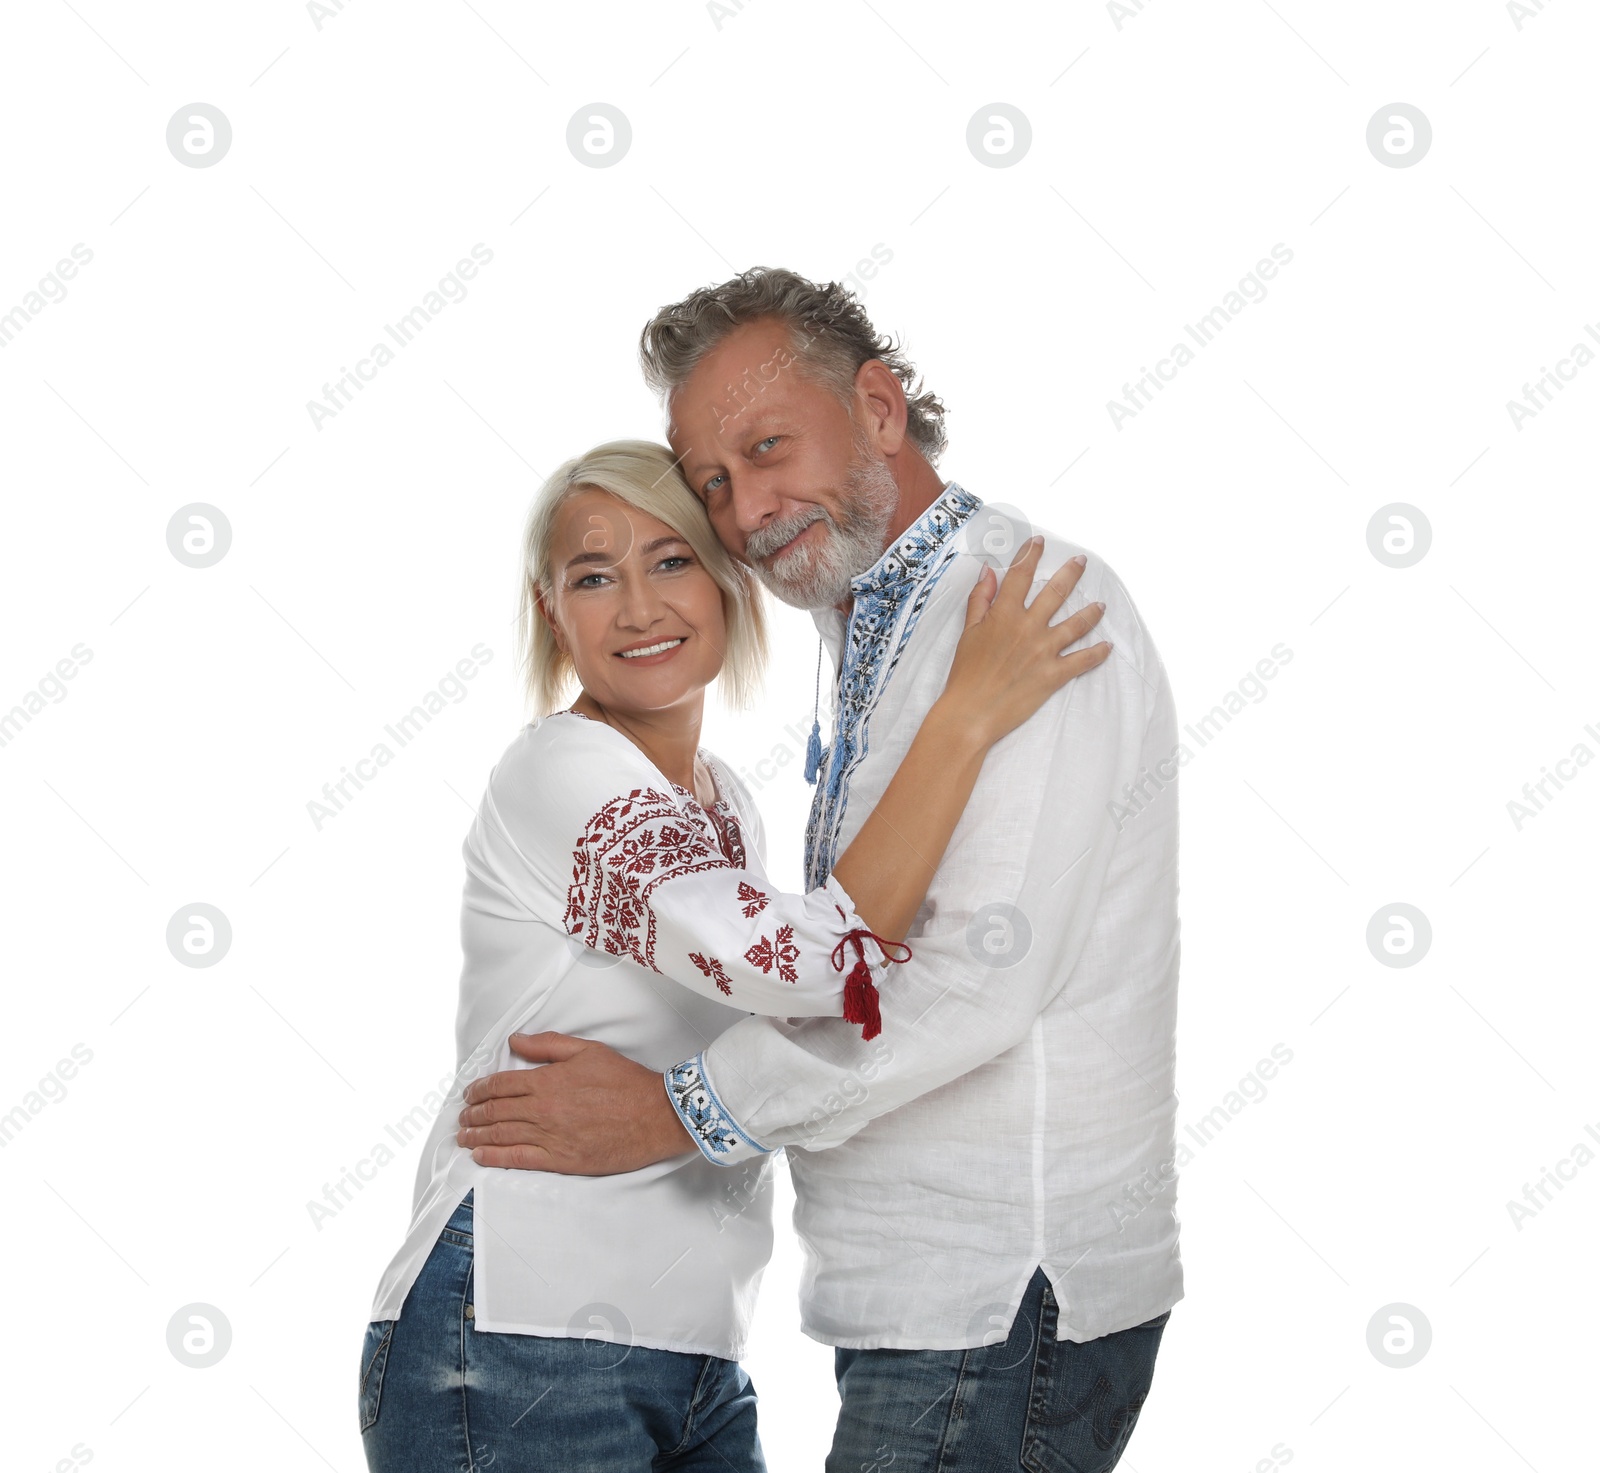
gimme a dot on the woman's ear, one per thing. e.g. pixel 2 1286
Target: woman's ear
pixel 549 619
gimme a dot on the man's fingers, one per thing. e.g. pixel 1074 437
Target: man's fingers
pixel 547 1048
pixel 501 1133
pixel 505 1107
pixel 518 1158
pixel 502 1085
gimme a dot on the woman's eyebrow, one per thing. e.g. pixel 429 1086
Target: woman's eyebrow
pixel 607 557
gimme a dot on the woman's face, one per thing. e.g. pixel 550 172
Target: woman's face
pixel 625 582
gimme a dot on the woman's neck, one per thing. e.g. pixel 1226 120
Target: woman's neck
pixel 669 738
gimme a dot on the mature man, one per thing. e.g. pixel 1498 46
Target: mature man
pixel 986 1192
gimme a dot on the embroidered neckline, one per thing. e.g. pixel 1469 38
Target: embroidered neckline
pixel 914 551
pixel 888 601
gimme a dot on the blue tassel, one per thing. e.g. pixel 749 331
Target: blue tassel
pixel 814 752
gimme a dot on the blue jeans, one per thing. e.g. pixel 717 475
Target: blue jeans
pixel 1032 1403
pixel 439 1397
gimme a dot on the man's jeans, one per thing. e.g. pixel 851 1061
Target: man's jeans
pixel 1033 1403
pixel 437 1396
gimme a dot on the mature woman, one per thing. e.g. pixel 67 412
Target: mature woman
pixel 616 889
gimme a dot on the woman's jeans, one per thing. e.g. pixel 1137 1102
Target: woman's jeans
pixel 439 1397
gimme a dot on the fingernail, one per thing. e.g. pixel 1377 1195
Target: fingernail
pixel 1101 607
pixel 1080 561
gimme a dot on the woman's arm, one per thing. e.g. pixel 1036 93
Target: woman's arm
pixel 1008 662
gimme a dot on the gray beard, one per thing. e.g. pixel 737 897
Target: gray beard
pixel 819 577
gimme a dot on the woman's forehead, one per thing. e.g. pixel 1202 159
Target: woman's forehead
pixel 599 521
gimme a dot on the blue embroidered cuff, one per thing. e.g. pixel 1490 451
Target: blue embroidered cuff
pixel 705 1117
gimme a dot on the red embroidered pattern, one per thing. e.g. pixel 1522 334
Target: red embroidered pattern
pixel 630 846
pixel 781 951
pixel 754 900
pixel 713 969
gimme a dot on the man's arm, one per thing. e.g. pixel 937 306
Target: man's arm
pixel 1009 915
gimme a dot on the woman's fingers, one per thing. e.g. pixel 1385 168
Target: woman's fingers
pixel 1071 629
pixel 1019 576
pixel 1057 587
pixel 1080 660
pixel 982 595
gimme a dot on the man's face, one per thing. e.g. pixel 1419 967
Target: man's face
pixel 788 477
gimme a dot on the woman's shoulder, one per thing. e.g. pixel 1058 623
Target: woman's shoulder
pixel 565 757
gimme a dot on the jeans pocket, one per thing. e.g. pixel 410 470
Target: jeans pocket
pixel 1087 1397
pixel 374 1356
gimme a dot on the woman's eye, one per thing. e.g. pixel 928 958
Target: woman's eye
pixel 584 582
pixel 675 558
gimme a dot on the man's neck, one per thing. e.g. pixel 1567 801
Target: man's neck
pixel 920 486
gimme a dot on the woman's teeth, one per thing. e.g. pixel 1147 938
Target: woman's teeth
pixel 650 649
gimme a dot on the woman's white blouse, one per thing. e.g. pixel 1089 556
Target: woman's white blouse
pixel 603 900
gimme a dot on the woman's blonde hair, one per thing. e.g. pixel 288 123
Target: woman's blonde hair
pixel 644 475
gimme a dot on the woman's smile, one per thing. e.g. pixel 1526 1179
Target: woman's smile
pixel 654 653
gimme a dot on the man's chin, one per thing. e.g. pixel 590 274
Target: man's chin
pixel 809 596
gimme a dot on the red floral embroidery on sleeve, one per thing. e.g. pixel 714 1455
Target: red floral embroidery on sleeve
pixel 630 846
pixel 755 901
pixel 713 969
pixel 781 951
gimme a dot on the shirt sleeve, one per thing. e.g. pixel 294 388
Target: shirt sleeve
pixel 1007 916
pixel 585 834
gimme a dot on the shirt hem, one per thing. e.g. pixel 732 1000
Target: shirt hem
pixel 489 1325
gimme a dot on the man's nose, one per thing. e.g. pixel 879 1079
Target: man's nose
pixel 755 501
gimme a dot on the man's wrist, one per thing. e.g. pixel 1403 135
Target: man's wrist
pixel 701 1113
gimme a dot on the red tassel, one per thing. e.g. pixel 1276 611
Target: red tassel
pixel 861 1001
pixel 860 996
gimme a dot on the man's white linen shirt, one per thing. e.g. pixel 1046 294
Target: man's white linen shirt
pixel 1019 1110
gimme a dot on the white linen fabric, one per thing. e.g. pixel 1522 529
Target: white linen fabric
pixel 603 900
pixel 1024 1115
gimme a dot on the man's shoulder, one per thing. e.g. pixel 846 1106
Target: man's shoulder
pixel 1099 583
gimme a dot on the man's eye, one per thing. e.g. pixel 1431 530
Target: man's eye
pixel 713 484
pixel 769 441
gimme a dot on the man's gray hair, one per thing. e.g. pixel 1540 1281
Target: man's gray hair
pixel 829 332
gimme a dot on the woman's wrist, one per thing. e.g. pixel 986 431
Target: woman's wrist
pixel 958 728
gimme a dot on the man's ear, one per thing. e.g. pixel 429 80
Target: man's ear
pixel 881 400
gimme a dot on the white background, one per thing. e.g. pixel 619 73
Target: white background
pixel 1169 154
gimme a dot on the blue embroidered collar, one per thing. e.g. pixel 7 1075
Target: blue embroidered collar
pixel 916 549
pixel 888 601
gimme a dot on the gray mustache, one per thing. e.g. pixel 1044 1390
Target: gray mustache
pixel 775 534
